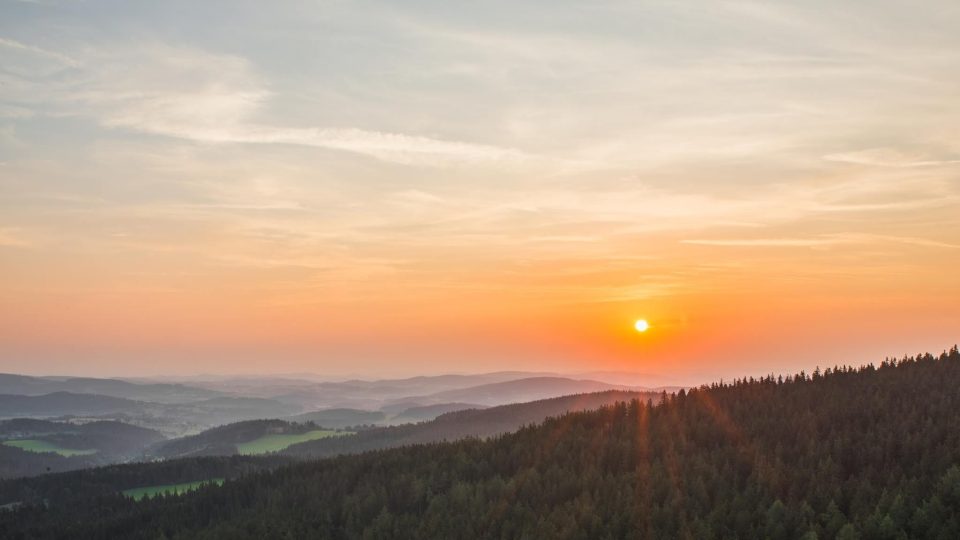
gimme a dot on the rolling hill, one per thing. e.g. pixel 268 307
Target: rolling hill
pixel 844 453
pixel 229 439
pixel 30 446
pixel 226 409
pixel 171 418
pixel 248 437
pixel 518 390
pixel 60 403
pixel 392 396
pixel 155 392
pixel 425 413
pixel 366 395
pixel 340 418
pixel 393 415
pixel 461 424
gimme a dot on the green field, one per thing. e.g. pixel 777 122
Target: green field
pixel 36 445
pixel 275 443
pixel 168 489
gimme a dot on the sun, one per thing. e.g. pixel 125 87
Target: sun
pixel 641 325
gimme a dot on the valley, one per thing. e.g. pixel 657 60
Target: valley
pixel 736 459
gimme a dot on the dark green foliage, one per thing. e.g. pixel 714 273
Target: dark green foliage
pixel 340 418
pixel 15 462
pixel 871 453
pixel 113 442
pixel 223 440
pixel 425 413
pixel 463 423
pixel 85 490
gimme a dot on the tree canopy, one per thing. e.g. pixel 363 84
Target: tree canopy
pixel 871 452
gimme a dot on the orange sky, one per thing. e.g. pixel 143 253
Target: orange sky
pixel 435 191
pixel 715 311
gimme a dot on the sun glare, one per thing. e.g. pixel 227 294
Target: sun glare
pixel 641 325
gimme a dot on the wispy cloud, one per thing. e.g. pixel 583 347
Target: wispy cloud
pixel 640 153
pixel 767 242
pixel 52 55
pixel 395 147
pixel 13 237
pixel 820 241
pixel 888 157
pixel 215 98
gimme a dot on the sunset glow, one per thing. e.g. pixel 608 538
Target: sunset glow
pixel 446 189
pixel 499 269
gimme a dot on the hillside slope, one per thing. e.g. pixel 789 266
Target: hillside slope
pixel 171 418
pixel 515 391
pixel 339 418
pixel 425 413
pixel 868 453
pixel 461 424
pixel 158 392
pixel 393 396
pixel 98 443
pixel 224 440
pixel 58 403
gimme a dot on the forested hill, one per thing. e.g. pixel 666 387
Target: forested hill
pixel 460 424
pixel 868 453
pixel 223 440
pixel 60 446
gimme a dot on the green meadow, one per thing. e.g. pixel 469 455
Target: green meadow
pixel 275 443
pixel 36 445
pixel 168 489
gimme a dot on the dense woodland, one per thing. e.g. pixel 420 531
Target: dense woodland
pixel 463 423
pixel 844 453
pixel 112 441
pixel 117 442
pixel 91 487
pixel 340 418
pixel 223 440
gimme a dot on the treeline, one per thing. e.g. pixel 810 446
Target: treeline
pixel 845 453
pixel 111 441
pixel 223 440
pixel 98 489
pixel 464 423
pixel 15 462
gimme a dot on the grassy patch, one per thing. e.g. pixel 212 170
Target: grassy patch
pixel 169 489
pixel 36 445
pixel 275 443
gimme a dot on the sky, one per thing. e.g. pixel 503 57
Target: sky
pixel 397 188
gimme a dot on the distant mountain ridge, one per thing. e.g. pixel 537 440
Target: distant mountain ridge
pixel 172 418
pixel 177 410
pixel 155 392
pixel 57 403
pixel 340 418
pixel 464 423
pixel 844 453
pixel 392 396
pixel 425 413
pixel 521 390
